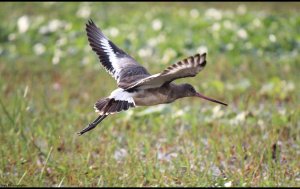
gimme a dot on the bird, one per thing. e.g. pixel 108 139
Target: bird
pixel 136 86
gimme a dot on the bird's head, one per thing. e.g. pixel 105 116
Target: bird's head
pixel 189 91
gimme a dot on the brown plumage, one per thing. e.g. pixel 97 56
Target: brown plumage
pixel 136 87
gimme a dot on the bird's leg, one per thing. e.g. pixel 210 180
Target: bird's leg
pixel 93 124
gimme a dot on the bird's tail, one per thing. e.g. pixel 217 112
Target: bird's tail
pixel 112 106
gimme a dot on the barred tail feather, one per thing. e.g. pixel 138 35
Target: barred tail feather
pixel 111 106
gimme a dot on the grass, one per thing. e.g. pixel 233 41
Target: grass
pixel 50 80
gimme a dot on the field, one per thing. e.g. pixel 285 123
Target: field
pixel 50 79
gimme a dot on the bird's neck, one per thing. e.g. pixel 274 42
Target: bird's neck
pixel 176 92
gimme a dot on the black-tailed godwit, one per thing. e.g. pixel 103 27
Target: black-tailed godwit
pixel 136 87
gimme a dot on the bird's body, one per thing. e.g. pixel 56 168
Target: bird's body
pixel 154 96
pixel 136 87
pixel 151 97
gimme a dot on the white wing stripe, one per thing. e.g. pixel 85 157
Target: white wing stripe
pixel 112 57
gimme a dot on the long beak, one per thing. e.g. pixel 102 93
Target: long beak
pixel 210 99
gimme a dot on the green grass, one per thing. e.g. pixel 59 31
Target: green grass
pixel 48 96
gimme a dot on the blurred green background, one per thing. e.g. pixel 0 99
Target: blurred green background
pixel 50 79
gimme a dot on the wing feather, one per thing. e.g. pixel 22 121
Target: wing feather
pixel 116 62
pixel 188 67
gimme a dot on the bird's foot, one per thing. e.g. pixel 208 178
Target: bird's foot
pixel 88 128
pixel 92 125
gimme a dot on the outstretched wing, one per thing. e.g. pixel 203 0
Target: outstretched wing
pixel 118 63
pixel 188 67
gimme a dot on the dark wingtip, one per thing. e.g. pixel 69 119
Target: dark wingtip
pixel 89 23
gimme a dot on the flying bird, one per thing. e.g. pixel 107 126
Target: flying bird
pixel 136 86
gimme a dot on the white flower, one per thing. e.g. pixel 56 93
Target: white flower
pixel 166 156
pixel 120 154
pixel 55 59
pixel 217 112
pixel 216 27
pixel 12 37
pixel 261 123
pixel 68 26
pixel 54 25
pixel 242 33
pixel 132 36
pixel 144 52
pixel 57 56
pixel 84 11
pixel 178 113
pixel 282 111
pixel 229 46
pixel 228 24
pixel 272 38
pixel 256 22
pixel 202 49
pixel 288 86
pixel 213 14
pixel 23 24
pixel 39 48
pixel 85 60
pixel 43 30
pixel 194 13
pixel 152 42
pixel 241 9
pixel 114 32
pixel 216 172
pixel 62 41
pixel 56 86
pixel 161 38
pixel 156 24
pixel 239 118
pixel 228 184
pixel 168 55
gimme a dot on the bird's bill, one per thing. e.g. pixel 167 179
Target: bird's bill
pixel 210 99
